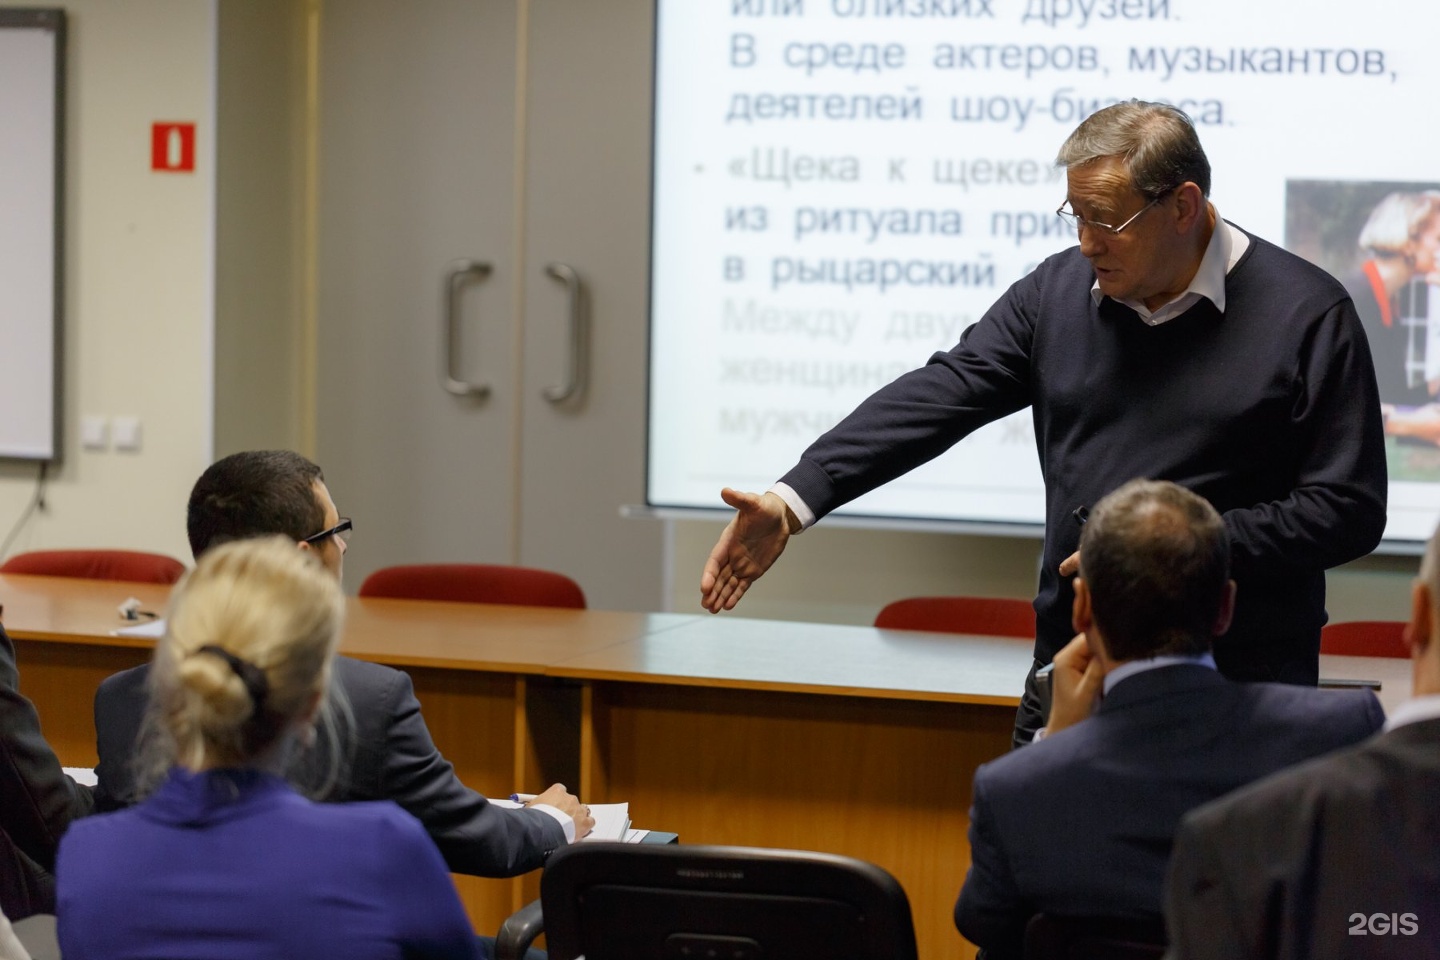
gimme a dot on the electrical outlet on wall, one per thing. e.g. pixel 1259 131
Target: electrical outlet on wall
pixel 94 433
pixel 127 434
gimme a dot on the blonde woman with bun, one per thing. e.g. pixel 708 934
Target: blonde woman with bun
pixel 225 859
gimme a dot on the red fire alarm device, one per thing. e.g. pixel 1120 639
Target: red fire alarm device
pixel 172 147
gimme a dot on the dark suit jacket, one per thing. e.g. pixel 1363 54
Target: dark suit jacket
pixel 1290 866
pixel 37 800
pixel 1081 823
pixel 392 758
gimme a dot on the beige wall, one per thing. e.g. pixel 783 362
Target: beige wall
pixel 138 279
pixel 142 307
pixel 264 306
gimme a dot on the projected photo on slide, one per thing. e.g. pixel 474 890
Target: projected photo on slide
pixel 1382 239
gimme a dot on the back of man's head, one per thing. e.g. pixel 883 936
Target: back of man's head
pixel 252 494
pixel 1156 561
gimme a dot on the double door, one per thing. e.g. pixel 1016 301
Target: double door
pixel 483 285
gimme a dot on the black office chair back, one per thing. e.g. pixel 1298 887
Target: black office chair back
pixel 616 901
pixel 1049 937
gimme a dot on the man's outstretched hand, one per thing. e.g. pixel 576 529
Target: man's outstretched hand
pixel 751 542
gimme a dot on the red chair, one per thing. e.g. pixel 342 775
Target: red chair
pixel 128 565
pixel 475 583
pixel 986 616
pixel 1365 638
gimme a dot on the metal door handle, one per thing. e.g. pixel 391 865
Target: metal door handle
pixel 459 273
pixel 574 384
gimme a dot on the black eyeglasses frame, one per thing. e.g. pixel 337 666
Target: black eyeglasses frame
pixel 341 530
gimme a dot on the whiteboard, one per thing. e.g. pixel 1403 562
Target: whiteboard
pixel 32 44
pixel 843 186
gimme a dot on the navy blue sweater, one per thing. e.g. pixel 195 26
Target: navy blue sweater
pixel 1269 411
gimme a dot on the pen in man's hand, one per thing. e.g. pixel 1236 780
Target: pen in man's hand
pixel 521 797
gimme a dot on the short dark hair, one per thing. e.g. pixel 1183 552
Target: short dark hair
pixel 253 494
pixel 1156 142
pixel 1156 559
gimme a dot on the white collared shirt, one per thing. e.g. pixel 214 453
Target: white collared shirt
pixel 802 510
pixel 1227 245
pixel 567 823
pixel 1132 667
pixel 1414 710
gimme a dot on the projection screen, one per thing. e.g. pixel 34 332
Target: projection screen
pixel 841 187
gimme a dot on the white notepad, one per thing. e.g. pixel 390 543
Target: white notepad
pixel 612 822
pixel 149 628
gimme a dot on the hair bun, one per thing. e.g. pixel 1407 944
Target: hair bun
pixel 252 676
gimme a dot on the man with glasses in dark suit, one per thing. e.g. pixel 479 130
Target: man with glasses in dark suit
pixel 373 743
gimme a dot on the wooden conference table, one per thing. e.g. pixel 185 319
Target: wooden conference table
pixel 844 739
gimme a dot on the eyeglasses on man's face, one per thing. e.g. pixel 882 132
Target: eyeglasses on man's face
pixel 341 530
pixel 1075 221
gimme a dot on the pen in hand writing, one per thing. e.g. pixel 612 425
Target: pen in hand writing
pixel 521 797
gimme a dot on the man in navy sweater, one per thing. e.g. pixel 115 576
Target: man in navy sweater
pixel 1168 344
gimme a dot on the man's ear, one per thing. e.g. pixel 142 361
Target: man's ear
pixel 306 547
pixel 1420 630
pixel 1227 610
pixel 1189 206
pixel 1081 617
